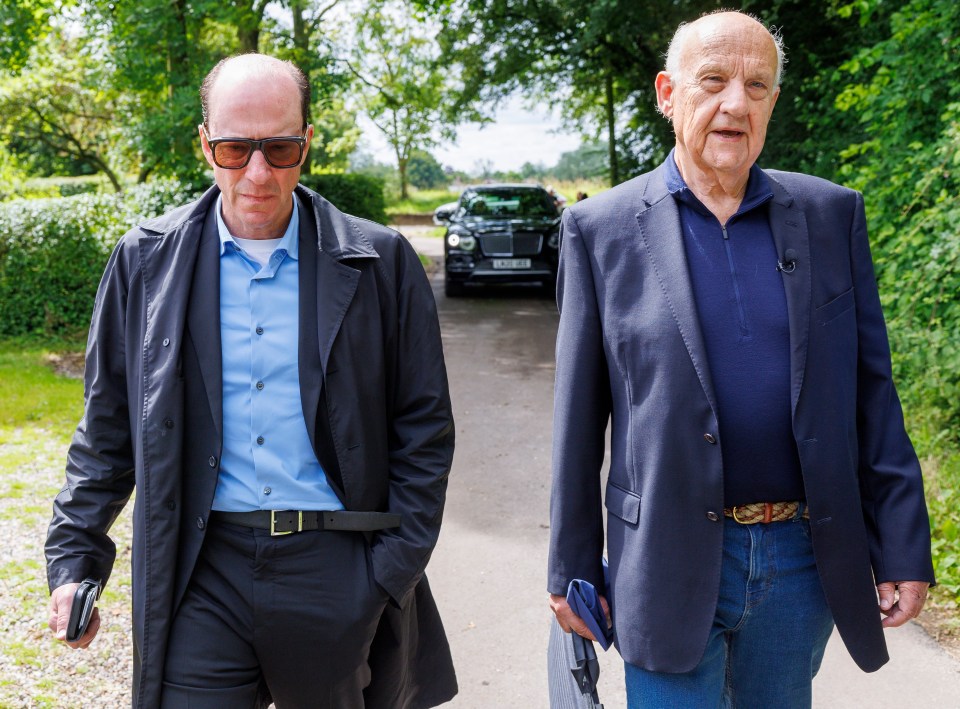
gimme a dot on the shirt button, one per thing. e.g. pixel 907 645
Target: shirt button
pixel 259 385
pixel 709 438
pixel 212 461
pixel 267 491
pixel 259 440
pixel 259 330
pixel 200 523
pixel 712 516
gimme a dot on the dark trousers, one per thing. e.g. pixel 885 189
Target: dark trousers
pixel 287 618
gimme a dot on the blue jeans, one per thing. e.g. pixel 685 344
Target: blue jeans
pixel 769 632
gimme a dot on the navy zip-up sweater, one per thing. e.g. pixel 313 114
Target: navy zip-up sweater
pixel 743 316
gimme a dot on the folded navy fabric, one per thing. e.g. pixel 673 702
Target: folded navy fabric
pixel 585 602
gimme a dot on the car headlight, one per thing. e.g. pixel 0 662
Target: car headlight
pixel 460 238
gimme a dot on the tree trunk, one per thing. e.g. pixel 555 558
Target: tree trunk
pixel 611 130
pixel 178 81
pixel 402 167
pixel 249 16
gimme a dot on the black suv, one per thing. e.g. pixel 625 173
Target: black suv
pixel 500 234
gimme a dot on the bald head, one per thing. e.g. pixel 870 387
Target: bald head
pixel 246 68
pixel 719 26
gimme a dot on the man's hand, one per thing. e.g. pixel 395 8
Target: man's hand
pixel 61 601
pixel 570 621
pixel 901 600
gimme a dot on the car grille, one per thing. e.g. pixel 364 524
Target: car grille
pixel 518 243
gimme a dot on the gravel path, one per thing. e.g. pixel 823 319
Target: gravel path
pixel 35 669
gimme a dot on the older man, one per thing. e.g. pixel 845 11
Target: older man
pixel 267 372
pixel 725 320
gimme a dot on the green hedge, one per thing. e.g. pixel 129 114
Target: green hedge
pixel 52 253
pixel 360 195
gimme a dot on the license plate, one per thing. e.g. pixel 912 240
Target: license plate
pixel 511 263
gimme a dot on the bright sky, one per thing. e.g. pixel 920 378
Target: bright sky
pixel 518 135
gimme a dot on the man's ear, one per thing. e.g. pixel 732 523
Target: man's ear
pixel 309 136
pixel 664 86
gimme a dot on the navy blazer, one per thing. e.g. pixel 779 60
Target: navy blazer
pixel 630 351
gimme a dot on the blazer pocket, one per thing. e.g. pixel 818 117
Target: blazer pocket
pixel 622 503
pixel 835 308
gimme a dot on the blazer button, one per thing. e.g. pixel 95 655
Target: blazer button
pixel 709 438
pixel 171 505
pixel 168 423
pixel 200 523
pixel 712 516
pixel 212 461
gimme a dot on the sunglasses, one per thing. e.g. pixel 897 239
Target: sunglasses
pixel 235 153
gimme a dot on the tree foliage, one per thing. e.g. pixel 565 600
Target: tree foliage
pixel 64 102
pixel 425 172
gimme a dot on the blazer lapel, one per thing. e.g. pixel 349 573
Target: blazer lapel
pixel 789 227
pixel 203 316
pixel 662 237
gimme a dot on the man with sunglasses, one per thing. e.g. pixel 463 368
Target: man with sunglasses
pixel 267 372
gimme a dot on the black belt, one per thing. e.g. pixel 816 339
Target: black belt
pixel 289 521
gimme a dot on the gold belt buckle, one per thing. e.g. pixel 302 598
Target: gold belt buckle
pixel 273 524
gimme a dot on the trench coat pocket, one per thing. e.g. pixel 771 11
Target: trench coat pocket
pixel 835 308
pixel 622 503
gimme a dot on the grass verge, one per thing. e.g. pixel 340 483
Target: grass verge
pixel 38 411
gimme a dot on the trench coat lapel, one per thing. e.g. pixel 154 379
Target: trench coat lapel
pixel 662 237
pixel 327 288
pixel 203 316
pixel 789 227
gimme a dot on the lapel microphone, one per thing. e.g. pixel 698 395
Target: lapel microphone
pixel 789 263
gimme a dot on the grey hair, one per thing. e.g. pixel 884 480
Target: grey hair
pixel 673 51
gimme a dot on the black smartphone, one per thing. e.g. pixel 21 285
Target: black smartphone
pixel 84 601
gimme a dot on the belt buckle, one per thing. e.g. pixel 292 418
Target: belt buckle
pixel 273 524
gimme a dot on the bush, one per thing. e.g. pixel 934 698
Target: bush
pixel 52 253
pixel 359 195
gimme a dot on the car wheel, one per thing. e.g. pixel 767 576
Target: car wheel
pixel 453 289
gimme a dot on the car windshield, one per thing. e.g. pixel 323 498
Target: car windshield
pixel 509 203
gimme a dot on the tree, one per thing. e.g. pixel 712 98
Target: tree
pixel 424 171
pixel 63 101
pixel 404 86
pixel 589 160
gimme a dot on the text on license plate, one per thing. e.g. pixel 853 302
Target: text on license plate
pixel 511 263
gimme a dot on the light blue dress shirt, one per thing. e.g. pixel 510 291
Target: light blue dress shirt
pixel 268 461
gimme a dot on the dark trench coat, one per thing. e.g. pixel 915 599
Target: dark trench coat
pixel 375 400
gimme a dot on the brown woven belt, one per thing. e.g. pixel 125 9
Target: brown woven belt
pixel 765 512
